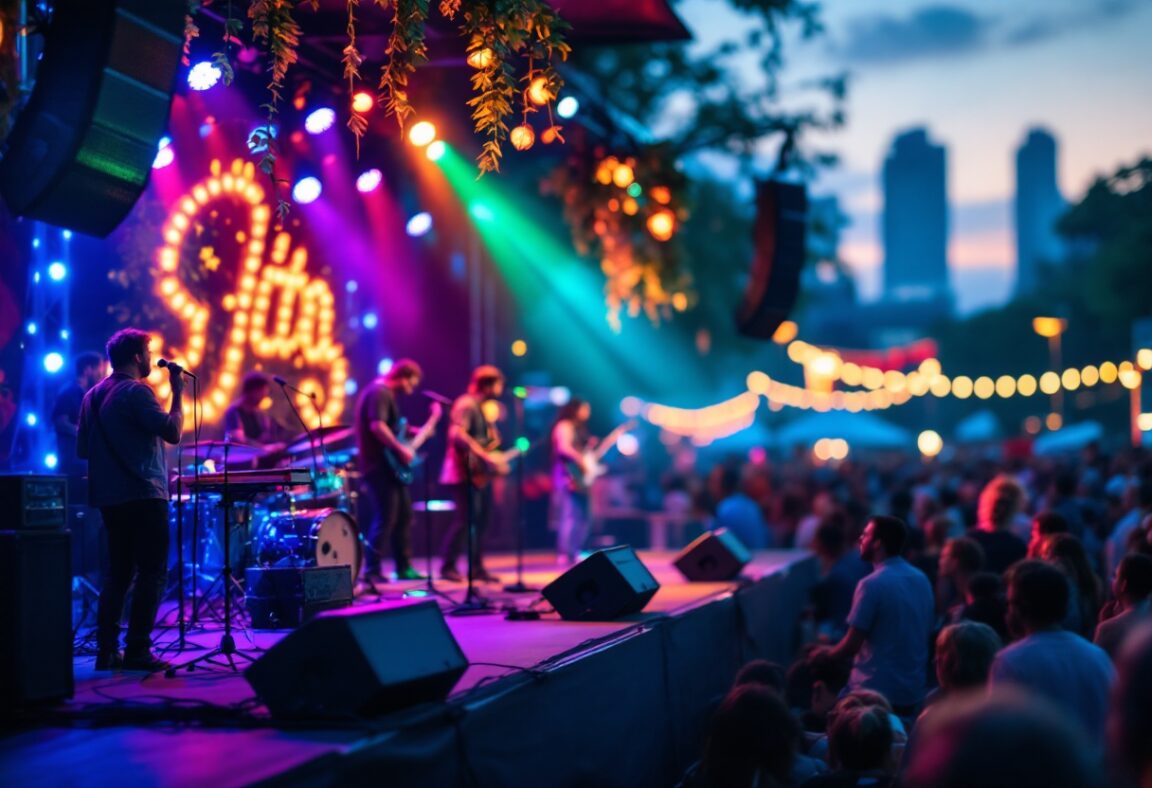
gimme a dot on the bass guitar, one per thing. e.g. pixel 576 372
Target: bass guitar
pixel 403 471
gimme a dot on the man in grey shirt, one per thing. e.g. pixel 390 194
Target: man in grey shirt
pixel 121 433
pixel 891 620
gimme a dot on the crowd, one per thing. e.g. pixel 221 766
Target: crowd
pixel 975 623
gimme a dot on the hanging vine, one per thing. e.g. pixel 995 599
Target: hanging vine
pixel 352 60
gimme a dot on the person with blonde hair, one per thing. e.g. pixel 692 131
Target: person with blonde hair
pixel 1001 501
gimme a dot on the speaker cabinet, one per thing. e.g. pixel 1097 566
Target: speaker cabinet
pixel 779 235
pixel 81 151
pixel 605 585
pixel 281 597
pixel 360 662
pixel 35 617
pixel 713 557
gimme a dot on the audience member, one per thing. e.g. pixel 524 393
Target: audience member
pixel 964 655
pixel 822 505
pixel 814 683
pixel 937 532
pixel 842 569
pixel 736 511
pixel 1066 552
pixel 1044 525
pixel 1116 545
pixel 1000 502
pixel 961 559
pixel 1053 663
pixel 762 672
pixel 860 747
pixel 1011 740
pixel 1132 588
pixel 1130 725
pixel 891 620
pixel 985 603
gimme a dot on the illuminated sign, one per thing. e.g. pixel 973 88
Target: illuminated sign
pixel 276 312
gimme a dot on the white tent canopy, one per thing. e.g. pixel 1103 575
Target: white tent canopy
pixel 1069 439
pixel 860 430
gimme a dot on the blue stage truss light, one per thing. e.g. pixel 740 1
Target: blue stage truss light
pixel 351 286
pixel 203 75
pixel 370 320
pixel 384 365
pixel 351 387
pixel 419 224
pixel 32 328
pixel 31 419
pixel 50 461
pixel 307 190
pixel 567 106
pixel 57 271
pixel 258 137
pixel 320 120
pixel 53 362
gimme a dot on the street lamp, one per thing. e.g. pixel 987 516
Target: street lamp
pixel 1051 329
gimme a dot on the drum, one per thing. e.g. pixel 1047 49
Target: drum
pixel 309 537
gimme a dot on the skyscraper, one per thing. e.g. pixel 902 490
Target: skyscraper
pixel 1038 206
pixel 915 224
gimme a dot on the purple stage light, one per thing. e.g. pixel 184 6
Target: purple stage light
pixel 203 76
pixel 320 120
pixel 307 190
pixel 369 180
pixel 419 224
pixel 164 157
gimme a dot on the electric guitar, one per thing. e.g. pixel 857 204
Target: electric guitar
pixel 593 469
pixel 403 471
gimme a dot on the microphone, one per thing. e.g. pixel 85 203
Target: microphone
pixel 282 383
pixel 432 395
pixel 166 364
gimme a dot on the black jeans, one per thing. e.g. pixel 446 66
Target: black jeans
pixel 137 549
pixel 392 521
pixel 479 500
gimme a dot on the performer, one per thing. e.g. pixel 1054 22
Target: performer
pixel 66 412
pixel 568 509
pixel 386 456
pixel 121 433
pixel 245 421
pixel 470 458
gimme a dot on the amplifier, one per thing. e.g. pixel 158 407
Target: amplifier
pixel 283 597
pixel 33 502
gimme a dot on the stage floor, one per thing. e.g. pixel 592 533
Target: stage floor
pixel 189 730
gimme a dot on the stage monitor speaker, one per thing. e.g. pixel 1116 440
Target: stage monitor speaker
pixel 35 617
pixel 360 662
pixel 34 502
pixel 605 585
pixel 779 237
pixel 81 151
pixel 713 557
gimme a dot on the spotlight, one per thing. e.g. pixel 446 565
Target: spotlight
pixel 57 271
pixel 307 190
pixel 436 150
pixel 53 363
pixel 352 286
pixel 384 366
pixel 351 387
pixel 419 224
pixel 628 444
pixel 363 101
pixel 519 348
pixel 370 320
pixel 164 157
pixel 31 419
pixel 50 461
pixel 369 180
pixel 32 328
pixel 320 120
pixel 567 107
pixel 559 396
pixel 422 133
pixel 203 75
pixel 259 136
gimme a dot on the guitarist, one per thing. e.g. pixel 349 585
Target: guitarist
pixel 568 509
pixel 385 456
pixel 468 463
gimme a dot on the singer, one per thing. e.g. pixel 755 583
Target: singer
pixel 121 433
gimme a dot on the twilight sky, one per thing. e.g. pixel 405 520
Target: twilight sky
pixel 977 74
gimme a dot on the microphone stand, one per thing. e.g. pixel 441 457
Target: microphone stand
pixel 519 587
pixel 311 439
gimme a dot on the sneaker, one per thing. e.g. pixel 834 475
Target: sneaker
pixel 145 661
pixel 109 660
pixel 451 574
pixel 484 576
pixel 409 573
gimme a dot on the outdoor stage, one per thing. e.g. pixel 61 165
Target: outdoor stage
pixel 545 702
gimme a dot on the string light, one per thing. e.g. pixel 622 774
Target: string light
pixel 273 288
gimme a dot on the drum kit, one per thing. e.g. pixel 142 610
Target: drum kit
pixel 302 525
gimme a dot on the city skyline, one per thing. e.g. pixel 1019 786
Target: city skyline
pixel 977 76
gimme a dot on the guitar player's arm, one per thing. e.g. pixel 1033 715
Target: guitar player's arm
pixel 459 436
pixel 388 438
pixel 562 441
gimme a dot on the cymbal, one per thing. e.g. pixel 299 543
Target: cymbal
pixel 236 452
pixel 329 437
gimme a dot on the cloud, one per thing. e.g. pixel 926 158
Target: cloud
pixel 1086 15
pixel 928 31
